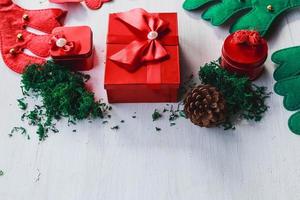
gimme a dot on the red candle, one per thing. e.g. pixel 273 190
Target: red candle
pixel 244 52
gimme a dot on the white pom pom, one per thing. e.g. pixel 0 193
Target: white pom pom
pixel 152 35
pixel 61 42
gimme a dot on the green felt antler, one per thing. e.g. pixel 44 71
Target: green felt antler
pixel 288 62
pixel 287 76
pixel 259 16
pixel 294 123
pixel 290 89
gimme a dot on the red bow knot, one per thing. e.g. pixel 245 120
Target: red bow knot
pixel 148 28
pixel 251 38
pixel 59 42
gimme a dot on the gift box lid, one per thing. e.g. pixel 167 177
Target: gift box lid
pixel 119 35
pixel 243 55
pixel 81 38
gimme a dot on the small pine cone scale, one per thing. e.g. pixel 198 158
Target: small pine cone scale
pixel 205 106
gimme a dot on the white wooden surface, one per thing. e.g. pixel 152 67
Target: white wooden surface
pixel 256 162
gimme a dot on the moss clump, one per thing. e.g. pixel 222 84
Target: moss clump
pixel 243 98
pixel 62 93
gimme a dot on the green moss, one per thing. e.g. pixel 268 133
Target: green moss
pixel 22 104
pixel 156 115
pixel 63 94
pixel 243 98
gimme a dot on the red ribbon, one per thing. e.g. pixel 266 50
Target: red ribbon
pixel 251 38
pixel 148 28
pixel 68 47
pixel 5 2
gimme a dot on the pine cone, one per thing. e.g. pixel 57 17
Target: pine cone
pixel 205 106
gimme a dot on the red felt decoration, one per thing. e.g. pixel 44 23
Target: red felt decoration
pixel 95 4
pixel 15 38
pixel 92 4
pixel 251 38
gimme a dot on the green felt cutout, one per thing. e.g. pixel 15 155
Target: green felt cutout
pixel 288 63
pixel 194 4
pixel 294 123
pixel 256 15
pixel 290 89
pixel 287 76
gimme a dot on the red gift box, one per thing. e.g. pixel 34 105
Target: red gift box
pixel 244 52
pixel 73 46
pixel 142 81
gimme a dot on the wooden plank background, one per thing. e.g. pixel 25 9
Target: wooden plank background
pixel 256 162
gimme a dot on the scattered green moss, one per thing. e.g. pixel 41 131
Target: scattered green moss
pixel 22 104
pixel 156 115
pixel 115 128
pixel 19 129
pixel 41 132
pixel 157 129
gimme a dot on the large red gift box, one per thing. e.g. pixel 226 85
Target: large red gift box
pixel 153 81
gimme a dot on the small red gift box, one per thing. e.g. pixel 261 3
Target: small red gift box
pixel 142 57
pixel 72 46
pixel 244 52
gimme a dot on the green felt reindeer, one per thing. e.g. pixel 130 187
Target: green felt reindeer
pixel 258 14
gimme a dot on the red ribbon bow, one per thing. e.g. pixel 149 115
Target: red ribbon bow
pixel 148 28
pixel 251 38
pixel 66 46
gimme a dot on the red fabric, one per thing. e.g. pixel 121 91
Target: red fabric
pixel 95 4
pixel 251 38
pixel 92 4
pixel 12 24
pixel 142 49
